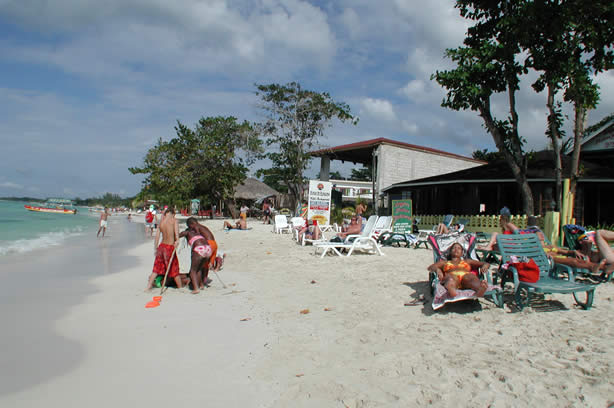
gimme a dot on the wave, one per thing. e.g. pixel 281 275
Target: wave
pixel 46 240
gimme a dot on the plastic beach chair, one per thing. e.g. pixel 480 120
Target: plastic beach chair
pixel 529 245
pixel 441 245
pixel 363 242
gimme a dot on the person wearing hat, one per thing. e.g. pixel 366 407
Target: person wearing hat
pixel 506 228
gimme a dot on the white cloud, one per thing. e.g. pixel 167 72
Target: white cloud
pixel 8 184
pixel 378 108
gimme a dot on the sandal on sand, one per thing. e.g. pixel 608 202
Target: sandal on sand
pixel 416 302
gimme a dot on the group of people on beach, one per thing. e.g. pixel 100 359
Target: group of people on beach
pixel 204 254
pixel 454 273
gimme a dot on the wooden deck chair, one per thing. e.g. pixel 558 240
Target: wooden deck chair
pixel 363 242
pixel 441 245
pixel 529 245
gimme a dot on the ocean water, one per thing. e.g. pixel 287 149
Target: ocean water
pixel 23 231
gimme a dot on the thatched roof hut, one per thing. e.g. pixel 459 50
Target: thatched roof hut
pixel 253 189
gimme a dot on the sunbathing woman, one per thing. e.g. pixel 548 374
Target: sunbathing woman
pixel 456 273
pixel 506 228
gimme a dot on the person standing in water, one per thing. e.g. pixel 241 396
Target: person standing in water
pixel 103 222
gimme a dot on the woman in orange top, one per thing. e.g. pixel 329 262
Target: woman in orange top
pixel 455 273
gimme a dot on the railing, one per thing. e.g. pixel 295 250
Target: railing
pixel 476 223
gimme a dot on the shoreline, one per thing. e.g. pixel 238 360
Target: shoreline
pixel 358 346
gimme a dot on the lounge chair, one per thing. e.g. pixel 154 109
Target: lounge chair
pixel 281 224
pixel 447 221
pixel 384 224
pixel 529 245
pixel 441 245
pixel 572 233
pixel 296 223
pixel 363 242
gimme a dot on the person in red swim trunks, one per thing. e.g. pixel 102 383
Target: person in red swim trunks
pixel 164 251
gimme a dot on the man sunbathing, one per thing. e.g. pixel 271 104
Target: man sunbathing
pixel 354 228
pixel 240 224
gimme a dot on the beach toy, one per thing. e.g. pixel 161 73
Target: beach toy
pixel 157 299
pixel 151 304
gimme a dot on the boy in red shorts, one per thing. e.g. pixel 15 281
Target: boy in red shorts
pixel 164 252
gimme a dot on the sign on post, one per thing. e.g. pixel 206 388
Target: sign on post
pixel 319 201
pixel 401 215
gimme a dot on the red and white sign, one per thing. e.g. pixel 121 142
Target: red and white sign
pixel 319 201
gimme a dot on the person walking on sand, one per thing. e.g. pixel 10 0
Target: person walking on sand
pixel 103 222
pixel 164 252
pixel 266 210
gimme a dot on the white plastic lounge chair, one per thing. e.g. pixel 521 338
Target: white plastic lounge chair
pixel 384 224
pixel 281 224
pixel 296 223
pixel 362 242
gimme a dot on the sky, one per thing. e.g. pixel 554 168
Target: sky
pixel 88 86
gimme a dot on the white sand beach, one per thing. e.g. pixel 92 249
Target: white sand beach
pixel 89 341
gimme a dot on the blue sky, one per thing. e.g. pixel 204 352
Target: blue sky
pixel 86 87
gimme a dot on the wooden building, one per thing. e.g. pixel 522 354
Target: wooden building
pixel 493 186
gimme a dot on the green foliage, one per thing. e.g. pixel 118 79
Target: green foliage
pixel 336 216
pixel 295 118
pixel 363 174
pixel 106 200
pixel 273 179
pixel 565 41
pixel 205 162
pixel 487 156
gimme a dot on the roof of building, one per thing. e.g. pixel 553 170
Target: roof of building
pixel 540 168
pixel 362 152
pixel 253 189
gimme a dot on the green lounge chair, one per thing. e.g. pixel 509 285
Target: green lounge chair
pixel 529 245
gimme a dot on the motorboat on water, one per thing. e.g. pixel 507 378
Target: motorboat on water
pixel 54 205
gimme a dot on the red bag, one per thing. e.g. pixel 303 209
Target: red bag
pixel 527 271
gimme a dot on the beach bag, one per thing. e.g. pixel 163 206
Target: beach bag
pixel 527 271
pixel 149 217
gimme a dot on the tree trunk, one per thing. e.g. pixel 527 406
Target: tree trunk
pixel 578 132
pixel 230 204
pixel 512 158
pixel 556 146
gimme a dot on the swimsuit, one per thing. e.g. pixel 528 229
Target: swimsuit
pixel 459 270
pixel 161 262
pixel 206 251
pixel 103 223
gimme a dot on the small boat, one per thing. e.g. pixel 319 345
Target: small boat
pixel 54 205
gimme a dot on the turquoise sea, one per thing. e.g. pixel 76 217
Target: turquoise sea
pixel 23 231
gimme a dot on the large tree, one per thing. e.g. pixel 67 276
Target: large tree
pixel 565 41
pixel 208 161
pixel 294 119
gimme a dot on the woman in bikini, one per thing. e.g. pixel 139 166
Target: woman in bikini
pixel 455 273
